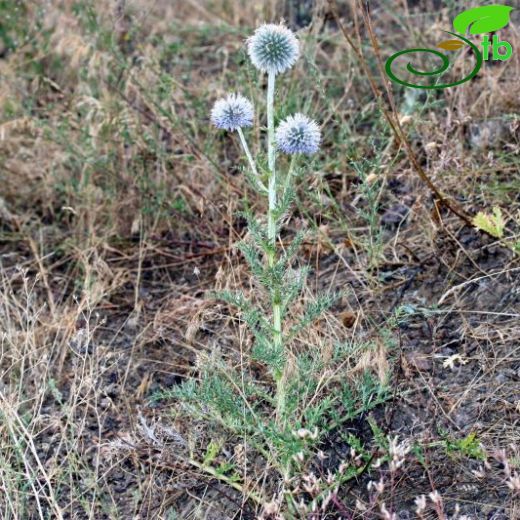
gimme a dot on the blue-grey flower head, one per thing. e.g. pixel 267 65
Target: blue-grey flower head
pixel 298 134
pixel 273 48
pixel 234 111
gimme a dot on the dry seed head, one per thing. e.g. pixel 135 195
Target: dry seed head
pixel 513 483
pixel 386 514
pixel 398 452
pixel 420 504
pixel 435 497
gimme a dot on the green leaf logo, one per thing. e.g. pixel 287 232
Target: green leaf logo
pixel 484 19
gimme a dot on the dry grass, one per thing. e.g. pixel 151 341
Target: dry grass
pixel 118 218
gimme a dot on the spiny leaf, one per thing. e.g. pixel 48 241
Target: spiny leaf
pixel 293 287
pixel 313 311
pixel 257 232
pixel 266 352
pixel 451 45
pixel 483 19
pixel 293 247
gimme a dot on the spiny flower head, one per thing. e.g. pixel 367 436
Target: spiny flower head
pixel 298 134
pixel 233 112
pixel 273 48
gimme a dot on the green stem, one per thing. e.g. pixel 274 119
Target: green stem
pixel 230 482
pixel 252 164
pixel 271 159
pixel 289 174
pixel 271 233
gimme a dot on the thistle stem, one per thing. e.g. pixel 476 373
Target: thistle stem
pixel 271 159
pixel 289 174
pixel 252 164
pixel 271 233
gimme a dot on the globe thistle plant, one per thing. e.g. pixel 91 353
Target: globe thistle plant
pixel 298 135
pixel 232 113
pixel 273 48
pixel 291 391
pixel 235 112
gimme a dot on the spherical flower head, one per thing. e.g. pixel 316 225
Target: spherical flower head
pixel 298 134
pixel 273 48
pixel 233 112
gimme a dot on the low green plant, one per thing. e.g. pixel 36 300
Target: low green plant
pixel 370 188
pixel 495 225
pixel 469 446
